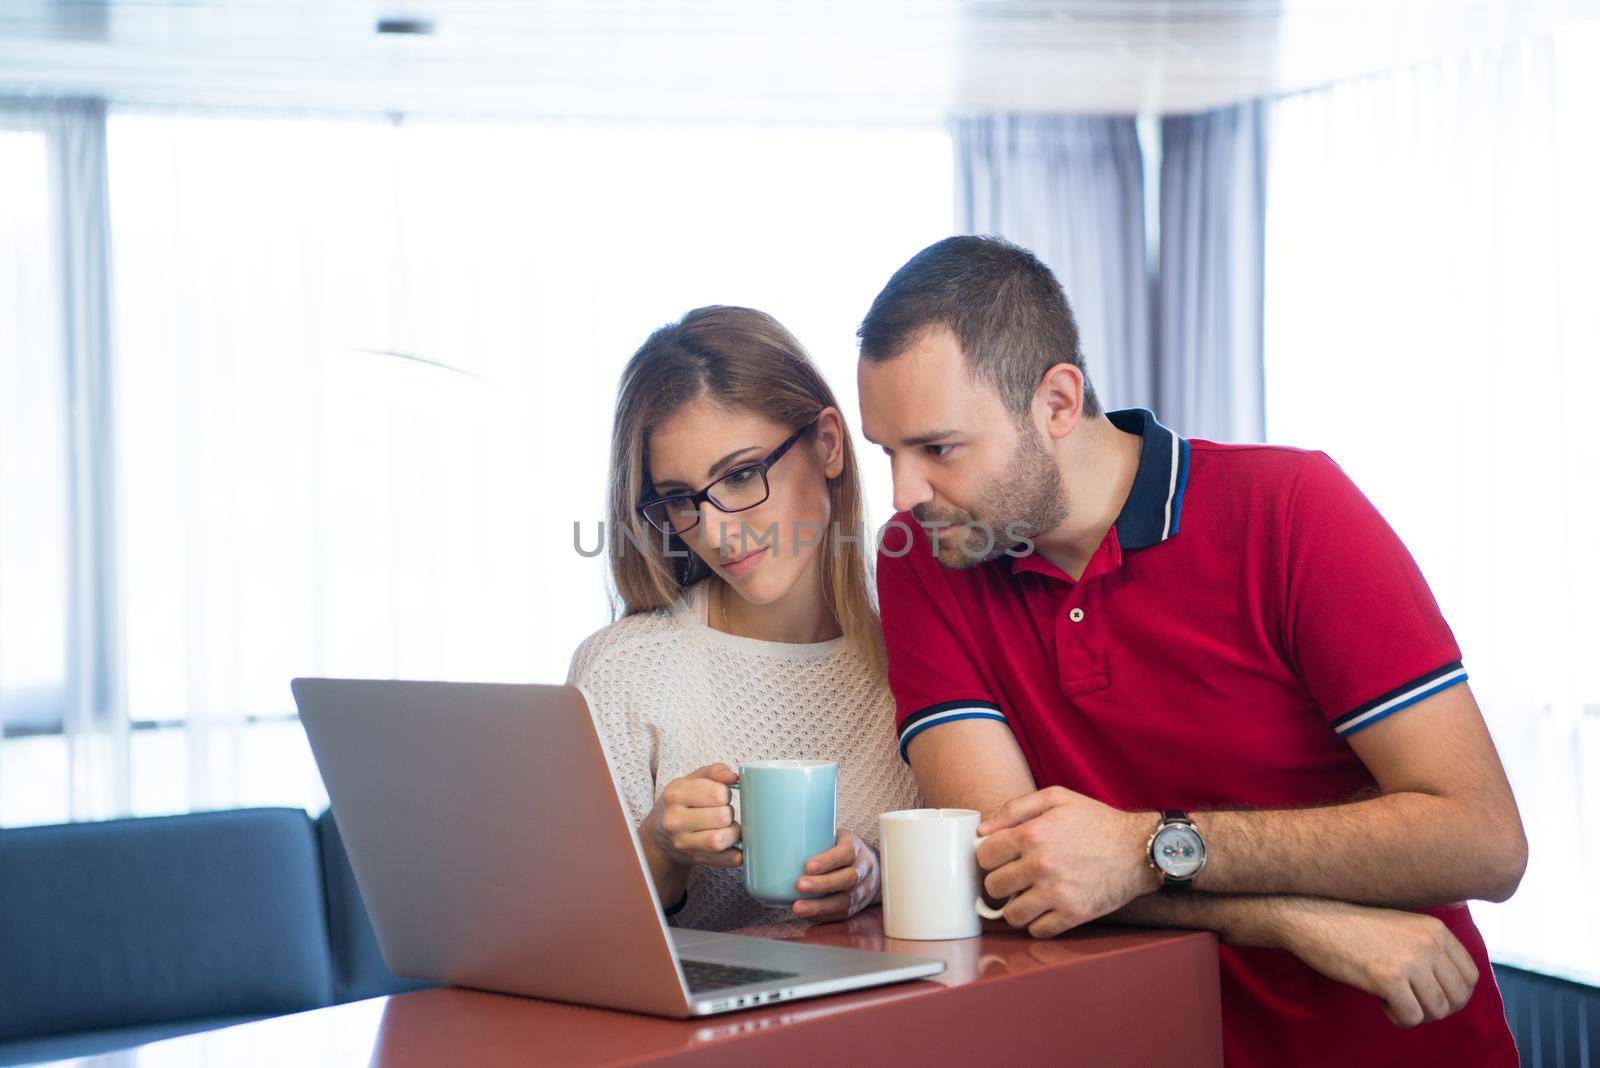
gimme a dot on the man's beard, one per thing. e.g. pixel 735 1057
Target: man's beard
pixel 1025 502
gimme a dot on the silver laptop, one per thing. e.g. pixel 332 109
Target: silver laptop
pixel 493 849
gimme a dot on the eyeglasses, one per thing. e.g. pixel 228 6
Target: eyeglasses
pixel 739 490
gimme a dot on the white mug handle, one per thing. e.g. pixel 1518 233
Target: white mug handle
pixel 984 910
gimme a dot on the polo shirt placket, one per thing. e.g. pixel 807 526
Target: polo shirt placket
pixel 1076 614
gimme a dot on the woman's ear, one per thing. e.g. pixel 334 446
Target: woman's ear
pixel 830 442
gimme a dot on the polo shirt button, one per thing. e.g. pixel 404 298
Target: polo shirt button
pixel 1076 615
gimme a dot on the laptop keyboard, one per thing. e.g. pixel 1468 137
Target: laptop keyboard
pixel 703 975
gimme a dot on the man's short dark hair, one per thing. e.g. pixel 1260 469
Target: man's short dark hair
pixel 1004 306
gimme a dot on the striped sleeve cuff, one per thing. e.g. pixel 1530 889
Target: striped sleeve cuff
pixel 946 712
pixel 1393 701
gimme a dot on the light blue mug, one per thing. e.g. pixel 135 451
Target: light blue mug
pixel 787 813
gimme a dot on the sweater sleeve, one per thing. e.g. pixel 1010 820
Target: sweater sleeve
pixel 631 739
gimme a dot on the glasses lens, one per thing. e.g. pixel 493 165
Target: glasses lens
pixel 741 489
pixel 676 514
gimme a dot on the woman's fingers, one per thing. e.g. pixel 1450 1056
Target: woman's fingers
pixel 843 875
pixel 720 773
pixel 832 907
pixel 715 841
pixel 838 881
pixel 693 821
pixel 696 814
pixel 839 856
pixel 678 819
pixel 696 792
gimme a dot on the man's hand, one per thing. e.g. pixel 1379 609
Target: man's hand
pixel 1064 859
pixel 1410 961
pixel 692 823
pixel 847 873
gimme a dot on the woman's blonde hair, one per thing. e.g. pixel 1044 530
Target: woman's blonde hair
pixel 742 360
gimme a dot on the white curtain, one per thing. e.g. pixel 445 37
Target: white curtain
pixel 301 489
pixel 1432 322
pixel 1182 336
pixel 59 636
pixel 1071 189
pixel 1209 297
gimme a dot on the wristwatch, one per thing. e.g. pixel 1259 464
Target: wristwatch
pixel 1176 850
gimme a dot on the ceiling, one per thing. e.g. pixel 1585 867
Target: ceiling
pixel 872 60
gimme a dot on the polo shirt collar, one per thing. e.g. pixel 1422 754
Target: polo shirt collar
pixel 1151 513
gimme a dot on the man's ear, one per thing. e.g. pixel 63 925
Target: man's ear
pixel 1059 399
pixel 830 442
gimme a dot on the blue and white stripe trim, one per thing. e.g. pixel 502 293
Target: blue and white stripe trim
pixel 1154 508
pixel 1400 697
pixel 1179 482
pixel 946 712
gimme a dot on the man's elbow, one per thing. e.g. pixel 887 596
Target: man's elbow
pixel 1508 862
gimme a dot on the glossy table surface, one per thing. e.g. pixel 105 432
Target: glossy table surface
pixel 1100 996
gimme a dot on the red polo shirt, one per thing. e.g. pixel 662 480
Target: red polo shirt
pixel 1219 668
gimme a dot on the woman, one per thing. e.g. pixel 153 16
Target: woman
pixel 748 630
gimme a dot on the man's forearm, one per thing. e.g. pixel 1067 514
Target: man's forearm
pixel 1443 829
pixel 1238 919
pixel 1405 850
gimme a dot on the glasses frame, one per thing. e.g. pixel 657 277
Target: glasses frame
pixel 704 496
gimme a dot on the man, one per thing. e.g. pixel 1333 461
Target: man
pixel 1190 684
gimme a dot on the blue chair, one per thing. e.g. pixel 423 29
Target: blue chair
pixel 126 931
pixel 358 967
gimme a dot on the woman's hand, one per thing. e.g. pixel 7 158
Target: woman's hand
pixel 692 823
pixel 847 874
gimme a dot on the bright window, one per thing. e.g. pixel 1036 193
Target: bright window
pixel 35 523
pixel 298 495
pixel 1432 324
pixel 35 535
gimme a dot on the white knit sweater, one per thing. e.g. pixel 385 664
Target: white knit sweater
pixel 673 695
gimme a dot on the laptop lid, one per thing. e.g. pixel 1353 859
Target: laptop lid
pixel 436 785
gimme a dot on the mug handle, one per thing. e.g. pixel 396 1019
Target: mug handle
pixel 984 910
pixel 739 845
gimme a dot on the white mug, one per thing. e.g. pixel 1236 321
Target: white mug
pixel 932 887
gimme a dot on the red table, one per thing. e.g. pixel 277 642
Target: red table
pixel 1102 996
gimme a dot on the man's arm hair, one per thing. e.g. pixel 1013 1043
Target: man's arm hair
pixel 1238 919
pixel 978 764
pixel 1443 827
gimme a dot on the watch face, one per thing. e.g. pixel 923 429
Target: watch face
pixel 1179 851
